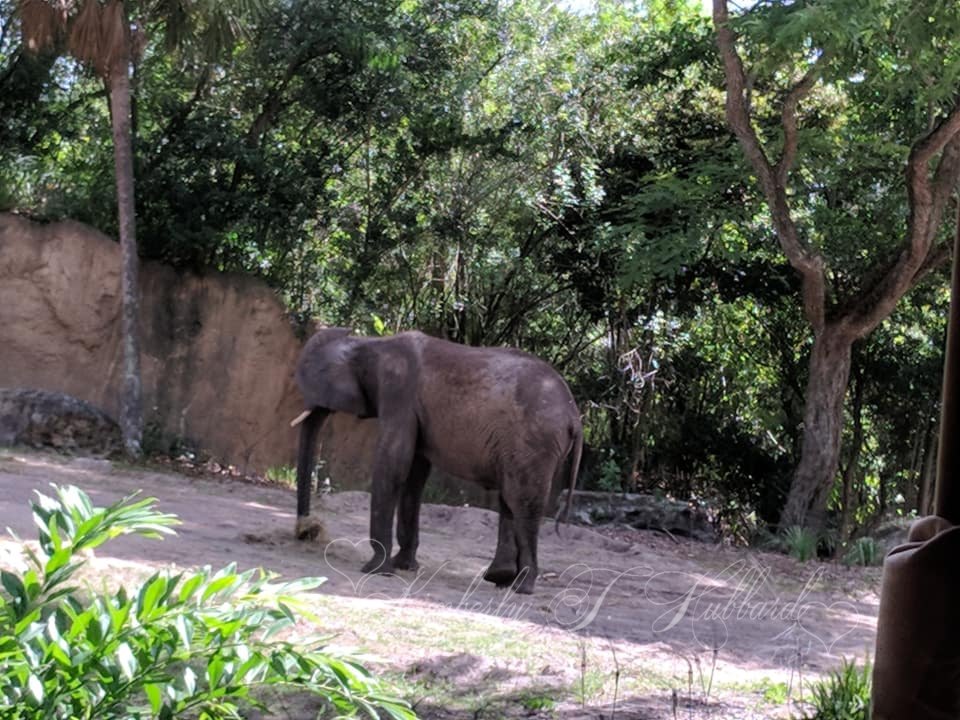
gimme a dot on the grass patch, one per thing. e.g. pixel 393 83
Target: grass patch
pixel 285 475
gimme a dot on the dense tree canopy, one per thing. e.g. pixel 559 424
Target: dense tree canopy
pixel 595 187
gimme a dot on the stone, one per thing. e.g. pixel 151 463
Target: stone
pixel 41 418
pixel 642 512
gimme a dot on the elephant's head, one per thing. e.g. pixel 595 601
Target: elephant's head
pixel 330 372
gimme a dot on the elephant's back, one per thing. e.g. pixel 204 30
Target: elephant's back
pixel 485 408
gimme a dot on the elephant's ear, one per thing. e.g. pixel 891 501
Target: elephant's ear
pixel 327 375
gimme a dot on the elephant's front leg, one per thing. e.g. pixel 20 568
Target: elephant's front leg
pixel 391 466
pixel 408 515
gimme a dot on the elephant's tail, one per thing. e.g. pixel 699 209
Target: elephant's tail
pixel 573 470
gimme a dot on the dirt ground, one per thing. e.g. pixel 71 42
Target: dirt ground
pixel 636 625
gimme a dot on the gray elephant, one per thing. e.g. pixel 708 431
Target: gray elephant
pixel 496 416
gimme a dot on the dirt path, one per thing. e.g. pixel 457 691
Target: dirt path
pixel 634 628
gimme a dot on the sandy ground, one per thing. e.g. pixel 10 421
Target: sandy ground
pixel 637 626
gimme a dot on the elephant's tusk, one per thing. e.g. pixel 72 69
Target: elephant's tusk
pixel 300 418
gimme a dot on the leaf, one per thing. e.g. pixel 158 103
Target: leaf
pixel 35 687
pixel 215 670
pixel 126 661
pixel 18 593
pixel 150 594
pixel 189 680
pixel 218 585
pixel 154 696
pixel 184 630
pixel 119 614
pixel 190 586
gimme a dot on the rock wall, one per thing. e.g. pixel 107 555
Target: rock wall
pixel 217 350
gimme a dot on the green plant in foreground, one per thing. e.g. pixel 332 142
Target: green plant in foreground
pixel 186 645
pixel 843 695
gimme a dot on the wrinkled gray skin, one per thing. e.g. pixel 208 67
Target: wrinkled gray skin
pixel 497 416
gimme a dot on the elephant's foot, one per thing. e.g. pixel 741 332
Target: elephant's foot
pixel 405 561
pixel 507 577
pixel 524 582
pixel 501 575
pixel 309 527
pixel 378 565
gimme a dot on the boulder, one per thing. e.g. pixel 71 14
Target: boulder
pixel 640 511
pixel 891 533
pixel 40 418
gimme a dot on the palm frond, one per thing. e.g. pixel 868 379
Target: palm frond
pixel 42 23
pixel 178 24
pixel 84 41
pixel 115 35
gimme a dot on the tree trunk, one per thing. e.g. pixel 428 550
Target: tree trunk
pixel 131 402
pixel 822 429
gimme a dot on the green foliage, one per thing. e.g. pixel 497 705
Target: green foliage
pixel 538 703
pixel 775 693
pixel 799 543
pixel 194 644
pixel 843 695
pixel 518 174
pixel 282 475
pixel 609 476
pixel 864 551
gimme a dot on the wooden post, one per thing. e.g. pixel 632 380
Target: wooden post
pixel 918 629
pixel 947 497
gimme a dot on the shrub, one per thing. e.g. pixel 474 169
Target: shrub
pixel 843 695
pixel 800 543
pixel 283 475
pixel 864 551
pixel 186 645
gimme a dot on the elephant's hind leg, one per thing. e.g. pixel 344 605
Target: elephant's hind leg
pixel 503 570
pixel 408 515
pixel 527 529
pixel 527 501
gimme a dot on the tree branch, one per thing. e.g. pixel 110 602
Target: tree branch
pixel 936 140
pixel 808 264
pixel 928 202
pixel 788 116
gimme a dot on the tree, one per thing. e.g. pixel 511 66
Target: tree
pixel 102 36
pixel 874 55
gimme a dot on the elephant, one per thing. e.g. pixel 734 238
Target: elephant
pixel 496 416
